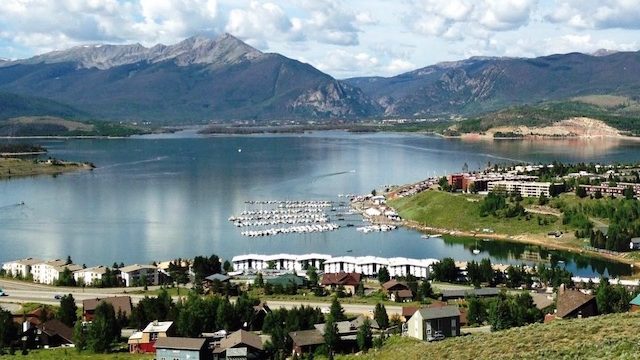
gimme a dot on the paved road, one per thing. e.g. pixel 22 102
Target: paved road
pixel 22 292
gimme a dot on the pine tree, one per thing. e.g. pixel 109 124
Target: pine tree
pixel 67 310
pixel 365 336
pixel 381 316
pixel 336 311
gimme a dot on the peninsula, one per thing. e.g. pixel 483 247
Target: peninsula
pixel 15 167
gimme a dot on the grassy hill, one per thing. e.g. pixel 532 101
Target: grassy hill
pixel 461 212
pixel 56 126
pixel 73 354
pixel 603 337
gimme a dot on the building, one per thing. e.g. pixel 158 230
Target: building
pixel 278 261
pixel 49 272
pixel 20 268
pixel 426 322
pixel 397 291
pixel 144 341
pixel 348 332
pixel 180 348
pixel 306 341
pixel 347 280
pixel 575 304
pixel 634 243
pixel 365 265
pixel 89 276
pixel 239 345
pixel 285 280
pixel 139 275
pixel 525 189
pixel 121 305
pixel 463 293
pixel 50 334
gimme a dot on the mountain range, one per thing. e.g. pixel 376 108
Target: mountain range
pixel 202 79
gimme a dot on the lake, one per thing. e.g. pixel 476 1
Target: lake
pixel 160 197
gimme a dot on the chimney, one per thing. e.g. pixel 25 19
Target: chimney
pixel 26 326
pixel 155 322
pixel 561 289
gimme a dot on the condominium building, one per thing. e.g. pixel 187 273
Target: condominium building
pixel 21 268
pixel 49 272
pixel 525 189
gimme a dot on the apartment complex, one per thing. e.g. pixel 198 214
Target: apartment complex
pixel 525 189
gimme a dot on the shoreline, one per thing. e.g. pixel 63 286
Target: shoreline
pixel 524 239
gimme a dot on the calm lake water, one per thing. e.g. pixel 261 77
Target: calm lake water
pixel 161 197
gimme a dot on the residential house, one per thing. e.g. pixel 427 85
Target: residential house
pixel 49 272
pixel 575 304
pixel 635 304
pixel 348 331
pixel 426 322
pixel 50 334
pixel 306 341
pixel 397 291
pixel 121 305
pixel 239 345
pixel 89 276
pixel 461 294
pixel 20 268
pixel 180 348
pixel 144 341
pixel 138 275
pixel 347 280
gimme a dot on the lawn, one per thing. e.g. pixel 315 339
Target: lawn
pixel 72 354
pixel 602 337
pixel 10 167
pixel 461 212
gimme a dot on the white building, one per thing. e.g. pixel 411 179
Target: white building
pixel 134 275
pixel 49 272
pixel 20 268
pixel 365 265
pixel 526 189
pixel 279 261
pixel 89 276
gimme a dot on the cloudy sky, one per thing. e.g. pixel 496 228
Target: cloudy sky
pixel 343 38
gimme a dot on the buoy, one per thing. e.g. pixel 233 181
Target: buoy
pixel 239 150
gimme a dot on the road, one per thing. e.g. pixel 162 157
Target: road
pixel 23 292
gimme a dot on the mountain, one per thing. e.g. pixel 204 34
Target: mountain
pixel 198 79
pixel 478 85
pixel 12 106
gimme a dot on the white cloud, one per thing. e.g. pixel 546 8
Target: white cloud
pixel 593 14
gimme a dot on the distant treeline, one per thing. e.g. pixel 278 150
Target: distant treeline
pixel 21 148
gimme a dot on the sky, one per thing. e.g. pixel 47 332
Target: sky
pixel 343 38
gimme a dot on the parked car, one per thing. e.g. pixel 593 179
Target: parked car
pixel 436 336
pixel 325 310
pixel 57 296
pixel 2 293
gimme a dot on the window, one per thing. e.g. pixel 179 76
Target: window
pixel 454 326
pixel 153 336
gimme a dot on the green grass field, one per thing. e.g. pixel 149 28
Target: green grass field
pixel 10 167
pixel 603 337
pixel 461 212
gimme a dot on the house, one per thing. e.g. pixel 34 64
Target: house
pixel 634 243
pixel 461 294
pixel 49 272
pixel 405 295
pixel 575 304
pixel 306 341
pixel 348 332
pixel 180 348
pixel 394 285
pixel 397 291
pixel 635 304
pixel 348 280
pixel 89 276
pixel 50 334
pixel 408 311
pixel 144 341
pixel 239 345
pixel 139 275
pixel 121 305
pixel 20 268
pixel 426 322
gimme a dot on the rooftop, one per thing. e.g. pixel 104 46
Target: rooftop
pixel 158 326
pixel 241 337
pixel 439 312
pixel 570 300
pixel 180 343
pixel 136 267
pixel 95 269
pixel 307 337
pixel 120 304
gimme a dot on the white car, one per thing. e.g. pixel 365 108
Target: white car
pixel 436 336
pixel 325 310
